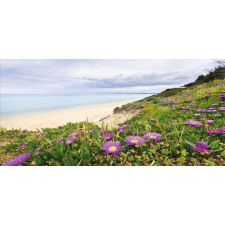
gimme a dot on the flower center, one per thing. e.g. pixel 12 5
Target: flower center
pixel 113 148
pixel 152 137
pixel 134 141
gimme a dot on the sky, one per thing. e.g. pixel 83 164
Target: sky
pixel 84 76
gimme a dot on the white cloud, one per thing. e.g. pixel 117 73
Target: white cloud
pixel 50 76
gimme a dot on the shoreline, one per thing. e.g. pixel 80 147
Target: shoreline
pixel 52 119
pixel 42 111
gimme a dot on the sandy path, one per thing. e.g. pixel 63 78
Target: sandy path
pixel 113 120
pixel 60 117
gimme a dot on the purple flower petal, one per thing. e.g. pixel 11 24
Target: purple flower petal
pixel 153 136
pixel 74 134
pixel 18 160
pixel 134 140
pixel 201 146
pixel 107 136
pixel 112 147
pixel 22 144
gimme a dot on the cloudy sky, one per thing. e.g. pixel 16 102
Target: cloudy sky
pixel 71 76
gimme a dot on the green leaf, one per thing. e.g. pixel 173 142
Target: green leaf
pixel 214 144
pixel 153 162
pixel 191 144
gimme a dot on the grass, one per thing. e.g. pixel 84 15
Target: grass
pixel 160 114
pixel 130 107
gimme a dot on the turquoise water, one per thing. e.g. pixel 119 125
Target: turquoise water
pixel 16 105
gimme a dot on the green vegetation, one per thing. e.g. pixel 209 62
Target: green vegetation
pixel 130 107
pixel 169 92
pixel 140 104
pixel 216 73
pixel 189 116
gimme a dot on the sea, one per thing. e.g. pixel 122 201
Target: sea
pixel 18 105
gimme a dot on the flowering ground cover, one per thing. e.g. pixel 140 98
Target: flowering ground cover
pixel 187 128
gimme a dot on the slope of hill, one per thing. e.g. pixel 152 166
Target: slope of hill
pixel 187 128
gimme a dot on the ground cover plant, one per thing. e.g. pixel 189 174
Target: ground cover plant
pixel 187 128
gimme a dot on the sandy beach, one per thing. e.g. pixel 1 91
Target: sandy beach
pixel 52 119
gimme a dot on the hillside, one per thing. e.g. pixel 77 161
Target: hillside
pixel 185 128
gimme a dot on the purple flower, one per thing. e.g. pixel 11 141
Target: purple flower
pixel 57 140
pixel 199 110
pixel 112 147
pixel 69 141
pixel 74 134
pixel 219 130
pixel 18 160
pixel 136 116
pixel 107 136
pixel 152 119
pixel 126 126
pixel 221 108
pixel 101 131
pixel 194 123
pixel 24 131
pixel 215 104
pixel 139 123
pixel 38 150
pixel 59 126
pixel 90 131
pixel 121 130
pixel 134 140
pixel 216 115
pixel 209 131
pixel 39 133
pixel 146 121
pixel 153 136
pixel 22 144
pixel 210 121
pixel 201 146
pixel 197 114
pixel 133 132
pixel 205 96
